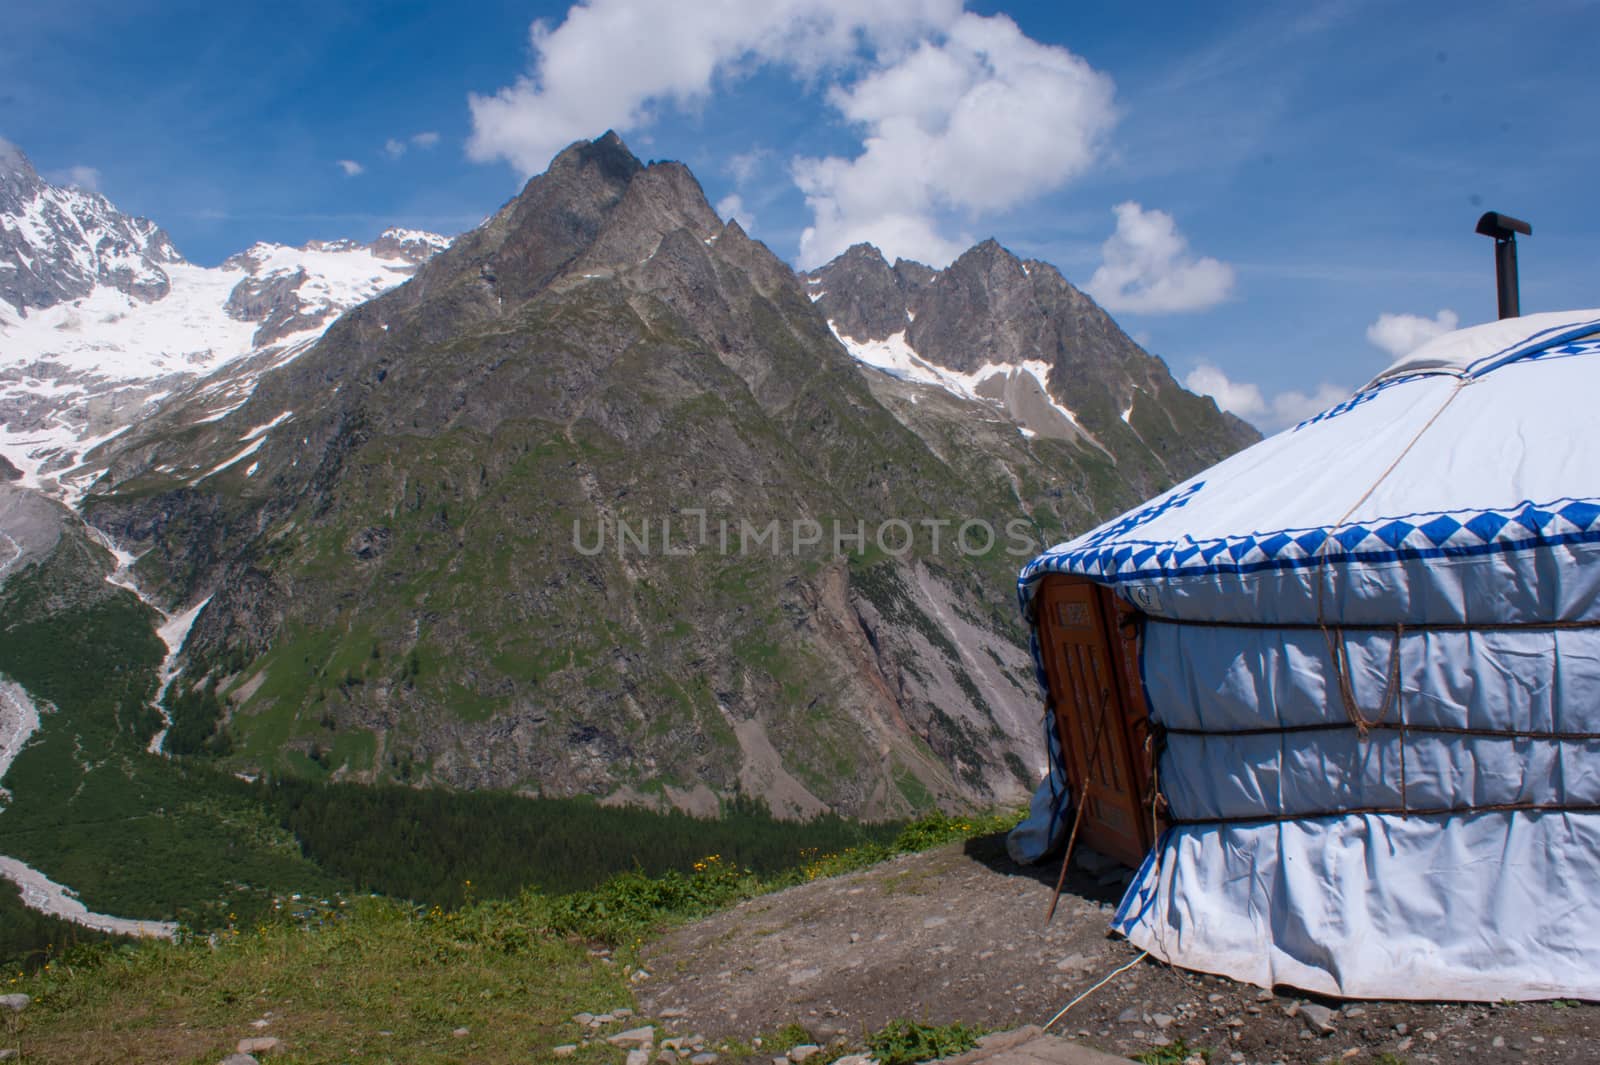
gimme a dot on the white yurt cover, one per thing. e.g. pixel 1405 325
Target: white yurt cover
pixel 1439 530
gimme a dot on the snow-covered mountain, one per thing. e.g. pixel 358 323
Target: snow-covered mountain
pixel 1015 336
pixel 101 318
pixel 61 243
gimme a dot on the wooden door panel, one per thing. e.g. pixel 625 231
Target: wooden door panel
pixel 1099 714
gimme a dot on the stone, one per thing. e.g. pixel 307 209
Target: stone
pixel 1265 996
pixel 461 1033
pixel 634 1037
pixel 582 1018
pixel 1318 1018
pixel 1128 1016
pixel 800 1053
pixel 670 1012
pixel 638 1057
pixel 1499 1042
pixel 1162 1020
pixel 619 1014
pixel 703 1058
pixel 260 1024
pixel 16 1003
pixel 1401 1028
pixel 995 1042
pixel 1074 963
pixel 239 1059
pixel 565 1050
pixel 260 1044
pixel 1352 1012
pixel 855 1059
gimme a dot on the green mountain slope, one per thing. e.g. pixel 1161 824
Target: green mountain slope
pixel 397 531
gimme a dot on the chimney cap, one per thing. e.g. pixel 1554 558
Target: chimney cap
pixel 1502 226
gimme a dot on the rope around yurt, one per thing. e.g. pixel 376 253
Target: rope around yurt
pixel 1333 635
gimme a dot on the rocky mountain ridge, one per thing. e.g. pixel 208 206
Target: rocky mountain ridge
pixel 378 527
pixel 1018 335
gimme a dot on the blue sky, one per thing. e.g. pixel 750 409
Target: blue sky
pixel 1250 188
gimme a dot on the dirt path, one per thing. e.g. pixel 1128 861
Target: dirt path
pixel 958 934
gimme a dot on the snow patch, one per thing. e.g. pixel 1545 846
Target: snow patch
pixel 260 429
pixel 250 449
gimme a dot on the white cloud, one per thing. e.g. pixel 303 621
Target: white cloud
pixel 957 112
pixel 350 167
pixel 614 63
pixel 1239 398
pixel 394 147
pixel 732 206
pixel 80 177
pixel 744 165
pixel 1401 334
pixel 981 119
pixel 1147 268
pixel 1246 400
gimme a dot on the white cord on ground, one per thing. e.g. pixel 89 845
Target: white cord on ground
pixel 1143 954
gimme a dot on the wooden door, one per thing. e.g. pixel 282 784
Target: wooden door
pixel 1091 662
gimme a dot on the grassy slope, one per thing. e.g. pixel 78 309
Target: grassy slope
pixel 383 983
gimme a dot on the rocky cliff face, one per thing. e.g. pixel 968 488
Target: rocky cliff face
pixel 598 503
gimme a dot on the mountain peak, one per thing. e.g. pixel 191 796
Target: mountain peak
pixel 60 242
pixel 989 254
pixel 606 156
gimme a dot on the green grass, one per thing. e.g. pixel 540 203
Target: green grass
pixel 385 983
pixel 905 1042
pixel 376 981
pixel 1174 1053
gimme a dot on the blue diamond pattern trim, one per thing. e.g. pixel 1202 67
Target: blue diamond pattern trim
pixel 1523 527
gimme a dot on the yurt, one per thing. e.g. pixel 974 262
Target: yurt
pixel 1338 696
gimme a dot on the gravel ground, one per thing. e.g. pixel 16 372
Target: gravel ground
pixel 958 933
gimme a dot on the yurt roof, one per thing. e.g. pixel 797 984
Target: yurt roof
pixel 1481 443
